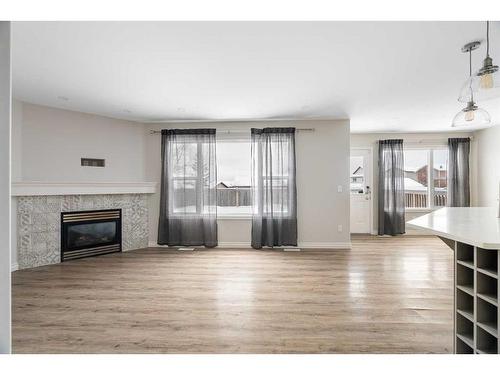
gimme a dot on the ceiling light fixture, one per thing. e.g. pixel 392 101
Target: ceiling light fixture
pixel 471 115
pixel 485 83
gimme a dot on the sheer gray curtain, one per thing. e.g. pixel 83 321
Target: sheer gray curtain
pixel 274 192
pixel 391 191
pixel 188 196
pixel 458 172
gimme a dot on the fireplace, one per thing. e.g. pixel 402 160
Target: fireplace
pixel 90 233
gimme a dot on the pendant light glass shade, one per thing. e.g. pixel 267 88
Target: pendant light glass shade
pixel 471 116
pixel 485 86
pixel 485 83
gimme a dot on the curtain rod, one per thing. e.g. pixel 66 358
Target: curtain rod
pixel 436 141
pixel 228 131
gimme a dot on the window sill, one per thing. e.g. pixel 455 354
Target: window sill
pixel 422 209
pixel 234 217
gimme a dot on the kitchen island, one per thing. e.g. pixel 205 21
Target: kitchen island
pixel 474 235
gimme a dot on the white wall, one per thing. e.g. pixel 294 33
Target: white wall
pixel 52 141
pixel 415 140
pixel 322 164
pixel 5 119
pixel 47 144
pixel 16 140
pixel 16 173
pixel 488 171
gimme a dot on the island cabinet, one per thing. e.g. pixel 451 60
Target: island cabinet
pixel 476 299
pixel 474 236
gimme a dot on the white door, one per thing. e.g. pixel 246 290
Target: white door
pixel 360 186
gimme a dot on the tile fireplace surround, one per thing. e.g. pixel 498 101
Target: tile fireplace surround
pixel 39 223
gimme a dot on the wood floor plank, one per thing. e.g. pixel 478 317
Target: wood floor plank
pixel 386 295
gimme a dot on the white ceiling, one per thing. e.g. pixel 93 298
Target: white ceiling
pixel 383 76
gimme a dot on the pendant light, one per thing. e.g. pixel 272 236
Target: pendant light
pixel 485 83
pixel 471 115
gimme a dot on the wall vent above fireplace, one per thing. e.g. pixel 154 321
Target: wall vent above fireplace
pixel 88 162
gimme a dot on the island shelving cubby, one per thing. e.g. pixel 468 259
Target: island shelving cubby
pixel 473 233
pixel 476 299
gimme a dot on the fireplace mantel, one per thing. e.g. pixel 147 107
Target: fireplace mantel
pixel 34 188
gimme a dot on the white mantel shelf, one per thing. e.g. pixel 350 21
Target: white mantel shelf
pixel 477 226
pixel 81 188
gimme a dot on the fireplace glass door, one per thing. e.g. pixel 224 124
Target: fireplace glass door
pixel 90 235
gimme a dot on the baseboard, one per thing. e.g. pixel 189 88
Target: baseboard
pixel 418 232
pixel 303 245
pixel 411 232
pixel 14 267
pixel 234 245
pixel 325 245
pixel 221 245
pixel 154 244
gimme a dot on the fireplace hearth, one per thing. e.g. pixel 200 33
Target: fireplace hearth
pixel 90 233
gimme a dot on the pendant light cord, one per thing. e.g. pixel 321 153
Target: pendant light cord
pixel 470 74
pixel 488 38
pixel 470 62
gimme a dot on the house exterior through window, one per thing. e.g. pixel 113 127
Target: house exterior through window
pixel 425 178
pixel 357 177
pixel 233 175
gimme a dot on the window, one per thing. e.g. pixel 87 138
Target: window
pixel 425 187
pixel 185 178
pixel 280 195
pixel 233 175
pixel 440 170
pixel 357 174
pixel 415 178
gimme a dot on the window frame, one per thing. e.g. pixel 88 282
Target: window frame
pixel 431 185
pixel 196 179
pixel 284 180
pixel 430 176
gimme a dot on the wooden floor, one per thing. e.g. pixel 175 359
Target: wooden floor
pixel 386 295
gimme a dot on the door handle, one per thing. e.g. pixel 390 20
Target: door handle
pixel 368 193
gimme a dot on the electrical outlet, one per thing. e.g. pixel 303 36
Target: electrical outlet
pixel 339 227
pixel 339 188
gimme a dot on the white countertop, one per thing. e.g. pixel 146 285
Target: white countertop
pixel 478 226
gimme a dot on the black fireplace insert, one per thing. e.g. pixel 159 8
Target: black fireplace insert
pixel 90 233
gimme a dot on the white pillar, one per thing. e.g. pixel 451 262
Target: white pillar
pixel 5 120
